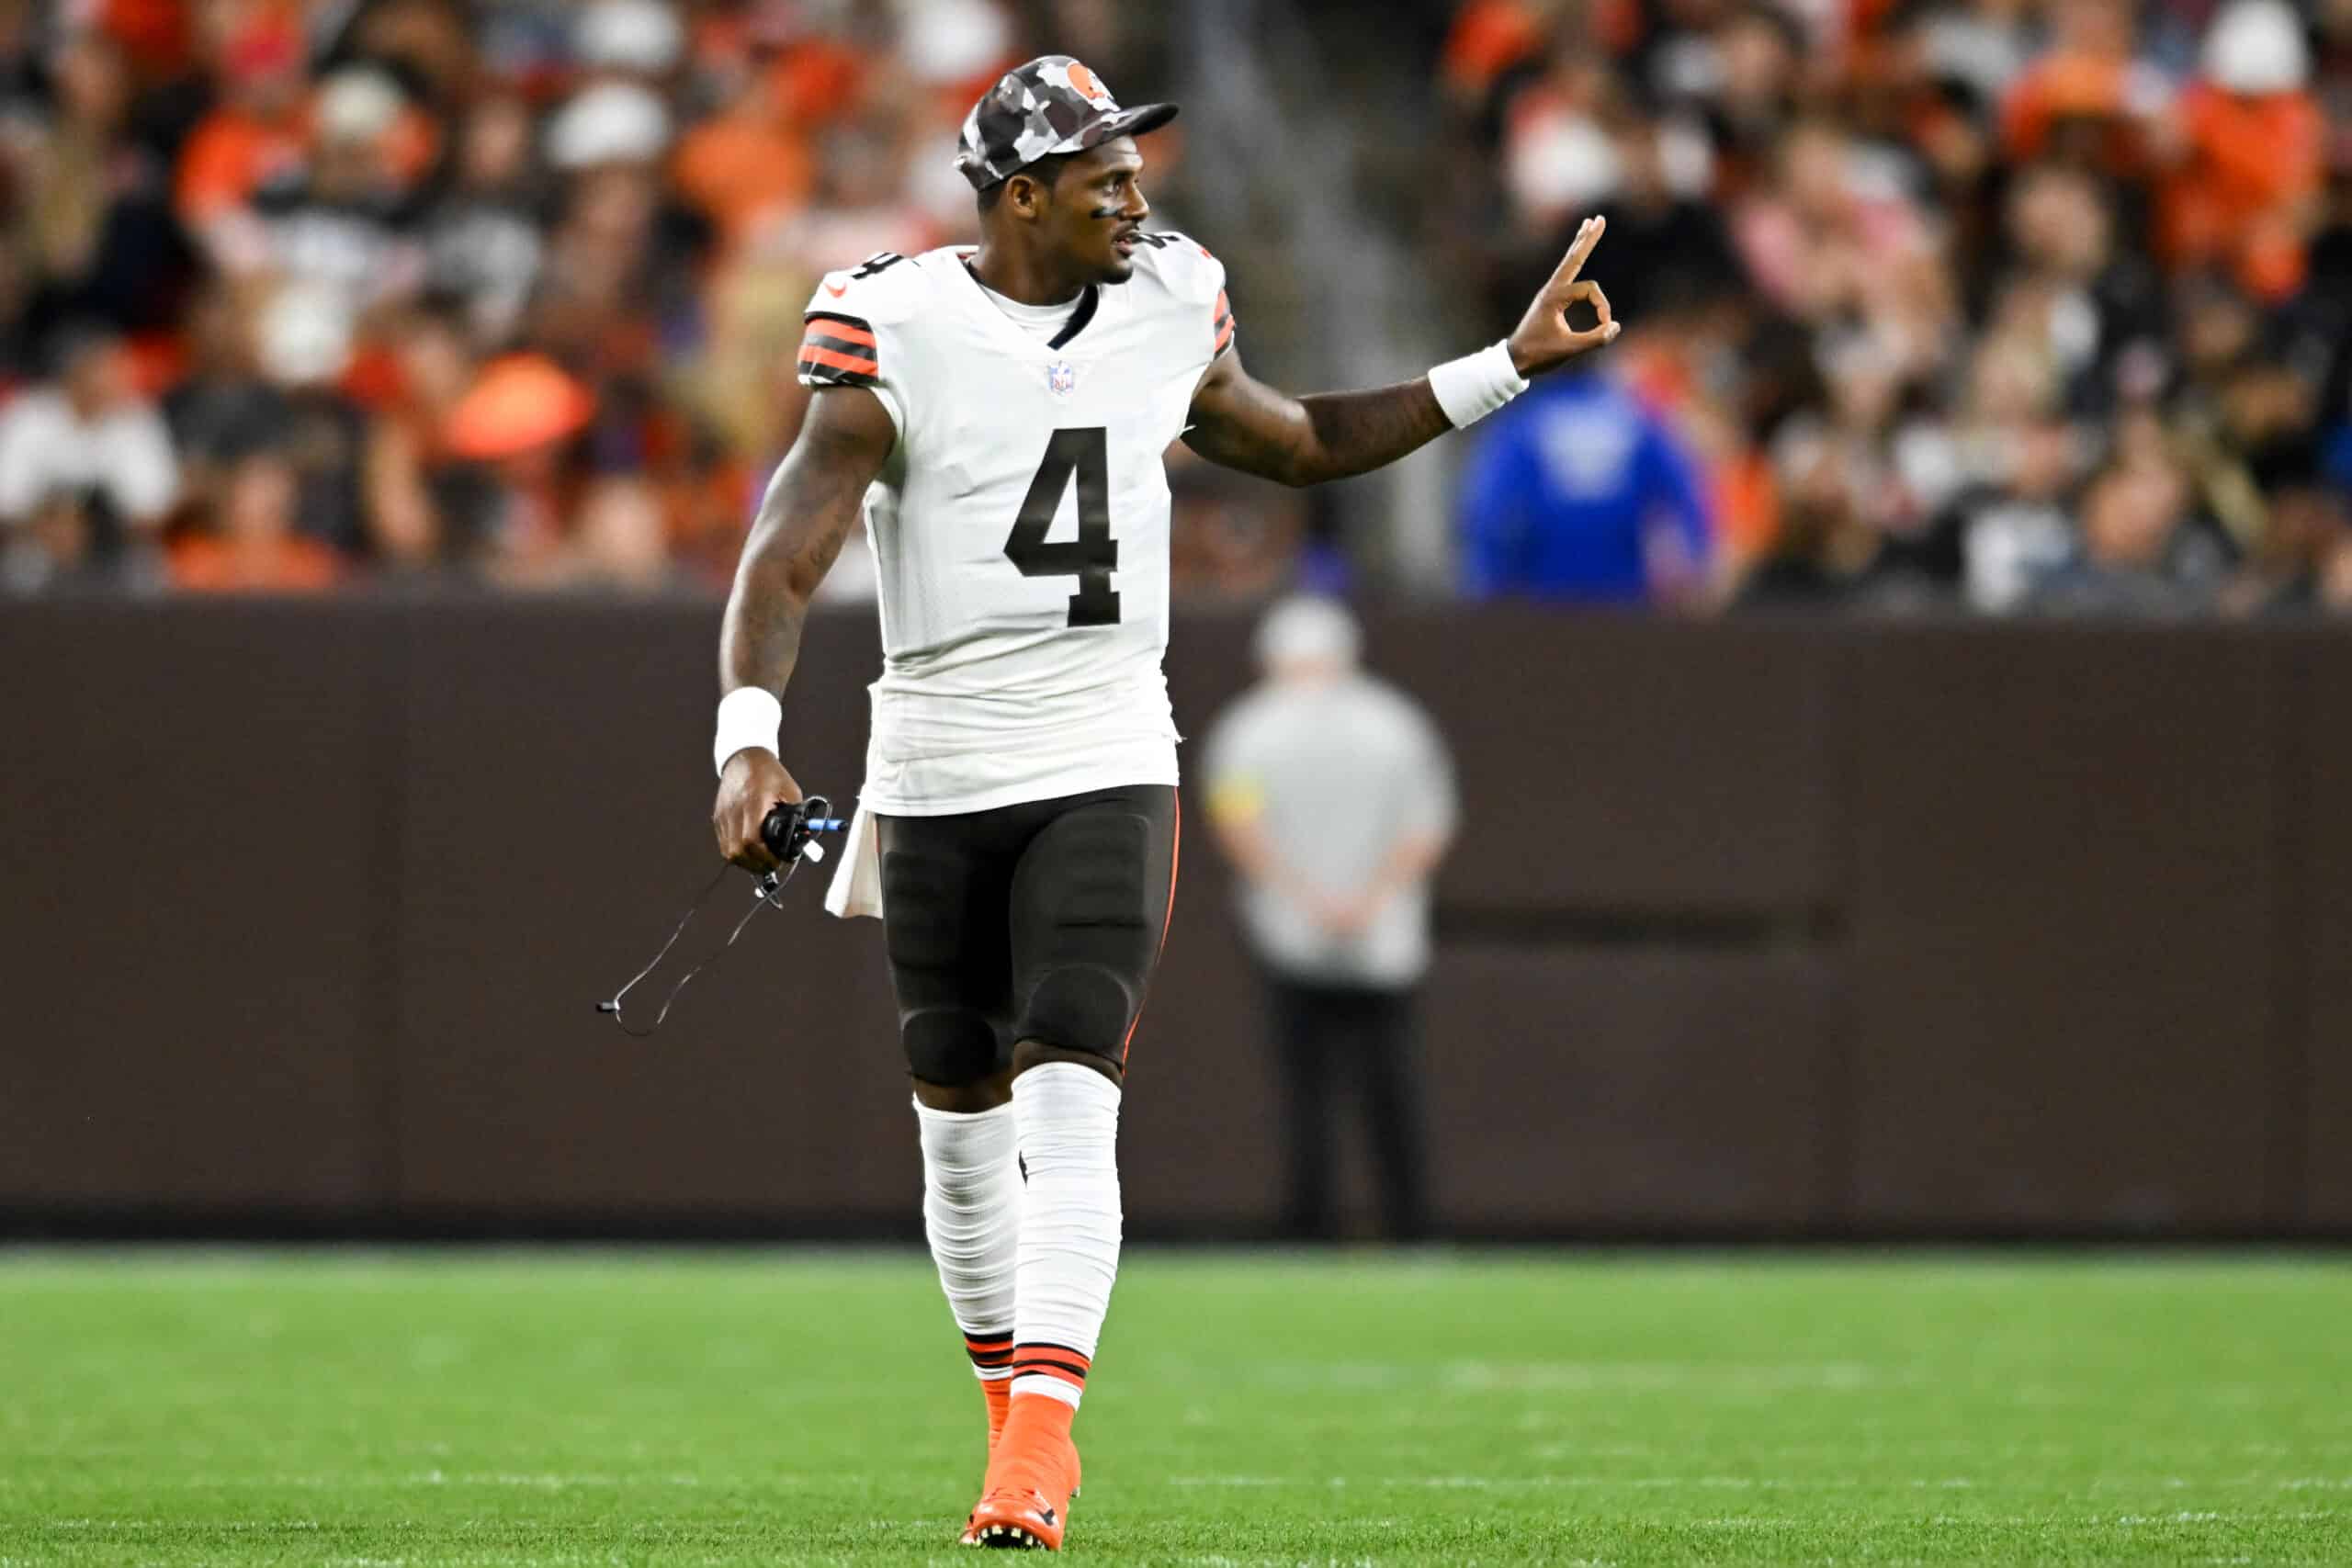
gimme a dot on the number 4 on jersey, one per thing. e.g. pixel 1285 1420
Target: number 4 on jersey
pixel 1093 555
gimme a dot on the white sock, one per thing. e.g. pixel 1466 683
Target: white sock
pixel 972 1213
pixel 1068 1116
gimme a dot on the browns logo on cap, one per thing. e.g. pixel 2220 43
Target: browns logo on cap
pixel 1051 104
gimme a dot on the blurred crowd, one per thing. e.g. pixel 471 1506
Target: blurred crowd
pixel 2015 304
pixel 299 295
pixel 2012 304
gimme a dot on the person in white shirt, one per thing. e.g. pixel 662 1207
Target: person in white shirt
pixel 1332 794
pixel 998 415
pixel 83 458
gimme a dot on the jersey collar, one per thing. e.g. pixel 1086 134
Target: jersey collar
pixel 1088 303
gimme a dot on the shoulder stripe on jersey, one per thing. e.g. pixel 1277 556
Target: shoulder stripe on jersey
pixel 1224 324
pixel 838 350
pixel 857 329
pixel 816 359
pixel 850 347
pixel 846 327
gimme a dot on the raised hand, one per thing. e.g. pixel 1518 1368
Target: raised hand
pixel 1543 340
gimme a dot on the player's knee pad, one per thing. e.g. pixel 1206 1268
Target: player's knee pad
pixel 951 1046
pixel 1080 1007
pixel 945 1030
pixel 1092 938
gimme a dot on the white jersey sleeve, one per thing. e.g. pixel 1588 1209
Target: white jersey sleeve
pixel 1184 267
pixel 851 327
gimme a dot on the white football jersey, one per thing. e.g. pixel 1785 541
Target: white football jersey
pixel 1020 528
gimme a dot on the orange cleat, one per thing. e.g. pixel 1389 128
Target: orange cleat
pixel 1015 1522
pixel 998 1391
pixel 992 1353
pixel 1033 1474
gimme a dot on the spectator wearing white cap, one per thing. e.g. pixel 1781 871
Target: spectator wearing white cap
pixel 637 39
pixel 2248 183
pixel 612 122
pixel 341 222
pixel 1333 795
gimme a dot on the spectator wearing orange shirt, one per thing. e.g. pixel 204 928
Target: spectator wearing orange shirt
pixel 749 168
pixel 259 133
pixel 1488 37
pixel 2245 193
pixel 2087 99
pixel 253 546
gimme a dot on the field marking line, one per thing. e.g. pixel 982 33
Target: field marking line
pixel 1739 1483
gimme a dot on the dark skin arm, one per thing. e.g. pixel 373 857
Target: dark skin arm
pixel 1243 424
pixel 808 512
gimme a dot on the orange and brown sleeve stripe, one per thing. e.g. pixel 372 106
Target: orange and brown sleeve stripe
pixel 1224 325
pixel 990 1351
pixel 1051 1361
pixel 838 351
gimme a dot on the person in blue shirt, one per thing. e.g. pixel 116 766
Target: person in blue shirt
pixel 1579 493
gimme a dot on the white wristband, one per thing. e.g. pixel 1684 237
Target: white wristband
pixel 748 716
pixel 1471 388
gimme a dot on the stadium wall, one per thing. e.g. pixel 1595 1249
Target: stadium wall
pixel 1758 928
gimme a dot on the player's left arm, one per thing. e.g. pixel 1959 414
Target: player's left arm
pixel 1241 422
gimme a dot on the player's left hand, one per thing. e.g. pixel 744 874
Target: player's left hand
pixel 1543 340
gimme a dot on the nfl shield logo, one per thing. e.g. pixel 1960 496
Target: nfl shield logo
pixel 1061 378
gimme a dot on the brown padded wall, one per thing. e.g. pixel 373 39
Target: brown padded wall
pixel 2326 942
pixel 1607 1091
pixel 195 935
pixel 1617 764
pixel 558 812
pixel 304 907
pixel 2062 916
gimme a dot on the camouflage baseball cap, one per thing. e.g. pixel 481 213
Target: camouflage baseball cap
pixel 1051 104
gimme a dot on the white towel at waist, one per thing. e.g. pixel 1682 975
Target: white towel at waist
pixel 856 887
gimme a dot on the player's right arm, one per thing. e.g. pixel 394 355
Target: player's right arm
pixel 806 515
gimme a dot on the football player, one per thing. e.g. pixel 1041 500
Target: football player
pixel 998 416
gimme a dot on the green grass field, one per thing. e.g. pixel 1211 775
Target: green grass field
pixel 382 1408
